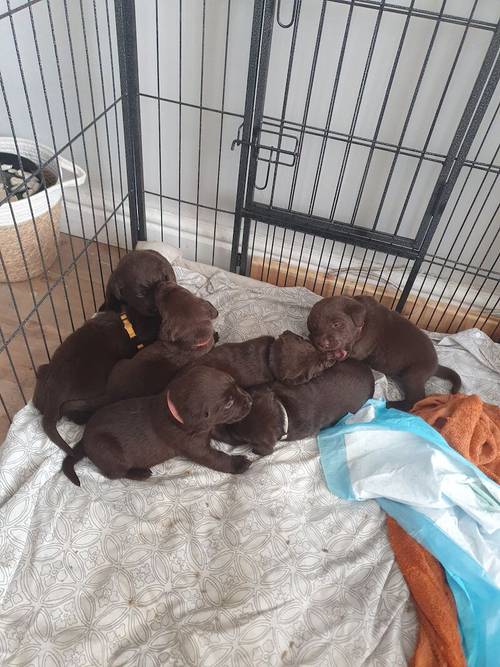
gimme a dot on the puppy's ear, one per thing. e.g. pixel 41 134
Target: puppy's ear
pixel 213 313
pixel 195 414
pixel 112 299
pixel 356 311
pixel 291 335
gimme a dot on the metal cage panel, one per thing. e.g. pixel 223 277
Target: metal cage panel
pixel 60 88
pixel 193 63
pixel 368 119
pixel 345 145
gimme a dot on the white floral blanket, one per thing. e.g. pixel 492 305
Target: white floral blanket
pixel 194 567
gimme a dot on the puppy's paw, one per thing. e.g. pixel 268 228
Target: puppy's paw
pixel 328 359
pixel 138 473
pixel 239 464
pixel 262 450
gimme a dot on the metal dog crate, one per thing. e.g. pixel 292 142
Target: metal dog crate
pixel 344 145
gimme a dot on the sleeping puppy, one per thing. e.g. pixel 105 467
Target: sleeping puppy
pixel 248 363
pixel 134 281
pixel 80 366
pixel 364 329
pixel 78 372
pixel 255 361
pixel 127 438
pixel 284 412
pixel 294 360
pixel 266 359
pixel 150 371
pixel 186 333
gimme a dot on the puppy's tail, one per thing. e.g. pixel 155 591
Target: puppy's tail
pixel 49 422
pixel 446 373
pixel 68 466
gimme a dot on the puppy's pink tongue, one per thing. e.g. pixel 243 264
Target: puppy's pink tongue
pixel 340 355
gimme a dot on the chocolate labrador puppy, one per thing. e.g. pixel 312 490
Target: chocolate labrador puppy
pixel 364 329
pixel 127 438
pixel 80 367
pixel 284 412
pixel 77 373
pixel 266 359
pixel 248 363
pixel 134 280
pixel 255 361
pixel 186 334
pixel 294 360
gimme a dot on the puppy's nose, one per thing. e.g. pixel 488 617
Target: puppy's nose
pixel 324 343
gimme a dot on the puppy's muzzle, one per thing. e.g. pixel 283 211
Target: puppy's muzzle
pixel 336 349
pixel 324 344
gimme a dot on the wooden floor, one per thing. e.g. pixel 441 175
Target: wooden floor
pixel 62 304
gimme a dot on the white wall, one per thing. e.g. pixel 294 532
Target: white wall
pixel 202 172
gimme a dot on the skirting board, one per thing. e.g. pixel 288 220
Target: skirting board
pixel 196 236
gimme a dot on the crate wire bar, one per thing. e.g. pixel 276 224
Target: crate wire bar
pixel 345 145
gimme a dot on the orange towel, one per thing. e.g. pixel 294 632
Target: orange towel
pixel 467 424
pixel 473 429
pixel 438 642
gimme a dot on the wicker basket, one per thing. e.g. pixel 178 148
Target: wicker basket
pixel 29 228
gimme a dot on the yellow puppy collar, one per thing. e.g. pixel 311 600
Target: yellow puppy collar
pixel 127 325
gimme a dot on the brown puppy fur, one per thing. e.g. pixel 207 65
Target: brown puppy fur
pixel 79 368
pixel 186 333
pixel 364 329
pixel 265 359
pixel 77 374
pixel 134 280
pixel 186 319
pixel 294 360
pixel 252 362
pixel 127 438
pixel 150 371
pixel 309 407
pixel 248 363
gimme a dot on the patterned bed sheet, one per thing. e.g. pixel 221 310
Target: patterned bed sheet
pixel 194 567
